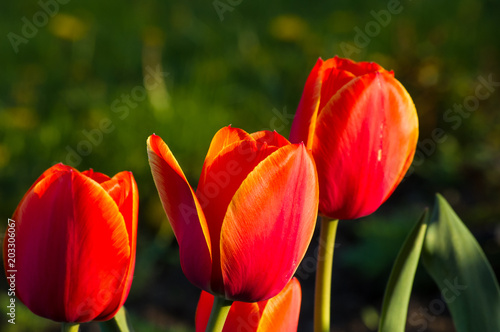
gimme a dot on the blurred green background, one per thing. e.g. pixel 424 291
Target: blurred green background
pixel 73 90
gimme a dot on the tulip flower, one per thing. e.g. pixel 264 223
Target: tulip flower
pixel 75 239
pixel 362 127
pixel 243 233
pixel 278 314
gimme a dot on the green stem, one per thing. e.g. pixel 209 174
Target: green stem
pixel 220 310
pixel 322 297
pixel 70 327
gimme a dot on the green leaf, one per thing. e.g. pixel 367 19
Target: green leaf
pixel 119 323
pixel 457 264
pixel 398 290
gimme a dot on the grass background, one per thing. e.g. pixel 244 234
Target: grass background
pixel 248 70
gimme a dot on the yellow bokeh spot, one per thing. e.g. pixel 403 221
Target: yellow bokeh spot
pixel 68 27
pixel 4 155
pixel 153 36
pixel 428 75
pixel 19 117
pixel 288 28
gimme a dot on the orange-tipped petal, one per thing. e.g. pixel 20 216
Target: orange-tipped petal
pixel 224 176
pixel 71 239
pixel 282 312
pixel 270 138
pixel 364 142
pixel 269 224
pixel 123 189
pixel 183 211
pixel 224 137
pixel 278 314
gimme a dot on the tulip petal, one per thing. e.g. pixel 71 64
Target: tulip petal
pixel 269 224
pixel 57 168
pixel 74 243
pixel 371 114
pixel 224 137
pixel 325 79
pixel 184 213
pixel 281 313
pixel 123 189
pixel 270 138
pixel 304 122
pixel 356 68
pixel 96 176
pixel 223 176
pixel 333 80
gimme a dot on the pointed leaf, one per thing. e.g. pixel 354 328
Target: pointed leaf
pixel 398 290
pixel 459 267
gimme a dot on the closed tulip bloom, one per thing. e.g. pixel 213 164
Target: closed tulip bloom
pixel 75 239
pixel 247 227
pixel 278 314
pixel 362 127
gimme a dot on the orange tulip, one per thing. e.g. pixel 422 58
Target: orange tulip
pixel 362 127
pixel 244 232
pixel 278 314
pixel 75 239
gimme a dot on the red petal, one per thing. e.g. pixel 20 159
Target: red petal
pixel 71 245
pixel 123 189
pixel 269 224
pixel 325 79
pixel 304 123
pixel 333 80
pixel 270 138
pixel 96 176
pixel 356 68
pixel 57 168
pixel 365 140
pixel 184 213
pixel 222 177
pixel 203 311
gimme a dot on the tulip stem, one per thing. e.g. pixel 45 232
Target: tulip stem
pixel 322 297
pixel 70 327
pixel 220 310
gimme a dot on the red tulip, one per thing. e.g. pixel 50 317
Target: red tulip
pixel 278 314
pixel 362 127
pixel 244 232
pixel 75 238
